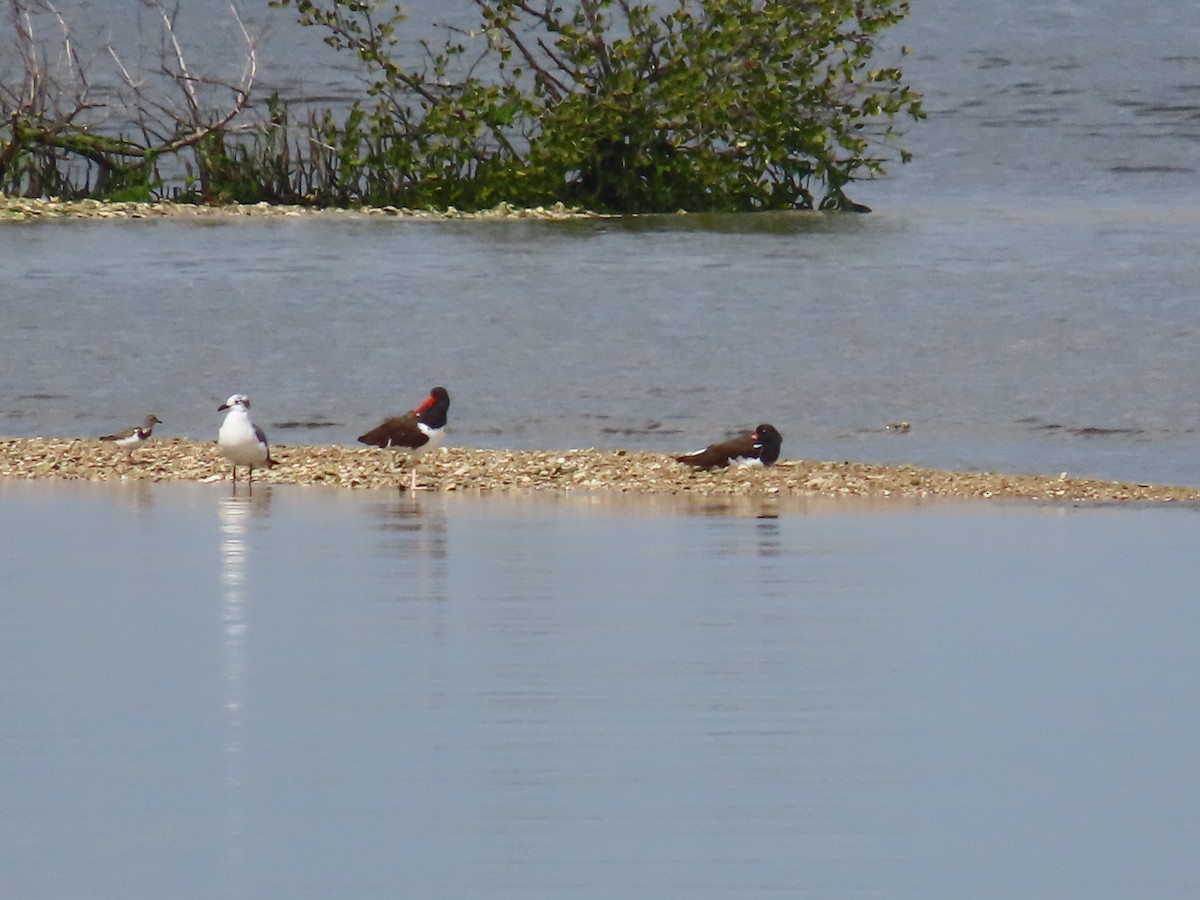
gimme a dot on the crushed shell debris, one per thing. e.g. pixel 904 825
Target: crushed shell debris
pixel 24 209
pixel 479 470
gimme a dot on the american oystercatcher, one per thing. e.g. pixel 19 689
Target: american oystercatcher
pixel 133 437
pixel 758 447
pixel 416 432
pixel 240 440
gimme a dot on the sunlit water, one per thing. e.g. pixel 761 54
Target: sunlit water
pixel 319 693
pixel 316 694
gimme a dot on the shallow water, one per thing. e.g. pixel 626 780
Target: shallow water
pixel 317 692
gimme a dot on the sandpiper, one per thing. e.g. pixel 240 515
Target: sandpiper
pixel 133 437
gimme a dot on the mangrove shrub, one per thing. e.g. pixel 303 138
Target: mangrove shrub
pixel 613 105
pixel 605 104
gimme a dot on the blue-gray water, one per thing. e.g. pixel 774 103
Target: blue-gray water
pixel 1026 340
pixel 321 693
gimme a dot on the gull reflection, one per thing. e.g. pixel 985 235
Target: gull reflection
pixel 235 514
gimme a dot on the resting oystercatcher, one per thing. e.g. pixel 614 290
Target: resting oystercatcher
pixel 758 447
pixel 132 437
pixel 416 432
pixel 240 440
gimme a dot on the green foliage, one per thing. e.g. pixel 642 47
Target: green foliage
pixel 114 168
pixel 696 104
pixel 612 105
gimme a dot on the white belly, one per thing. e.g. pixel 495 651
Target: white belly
pixel 435 435
pixel 745 462
pixel 241 446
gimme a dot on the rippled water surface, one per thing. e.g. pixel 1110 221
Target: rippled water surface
pixel 1019 340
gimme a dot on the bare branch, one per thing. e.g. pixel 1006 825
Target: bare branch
pixel 23 29
pixel 135 86
pixel 556 88
pixel 182 76
pixel 250 72
pixel 192 125
pixel 570 71
pixel 75 70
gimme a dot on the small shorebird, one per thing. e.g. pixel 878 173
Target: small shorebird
pixel 240 440
pixel 416 432
pixel 758 447
pixel 133 437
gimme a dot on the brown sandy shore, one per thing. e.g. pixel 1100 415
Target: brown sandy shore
pixel 612 471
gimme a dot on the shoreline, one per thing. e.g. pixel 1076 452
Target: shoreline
pixel 587 471
pixel 25 209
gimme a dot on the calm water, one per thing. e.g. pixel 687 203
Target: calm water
pixel 325 693
pixel 320 694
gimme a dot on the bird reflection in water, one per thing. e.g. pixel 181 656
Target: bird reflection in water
pixel 235 514
pixel 750 527
pixel 763 510
pixel 413 529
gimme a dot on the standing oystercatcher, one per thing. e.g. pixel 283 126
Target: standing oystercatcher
pixel 758 447
pixel 416 432
pixel 133 437
pixel 240 440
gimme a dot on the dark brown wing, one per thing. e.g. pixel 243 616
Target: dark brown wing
pixel 120 435
pixel 716 456
pixel 399 431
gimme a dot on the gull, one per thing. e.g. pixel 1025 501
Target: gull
pixel 240 440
